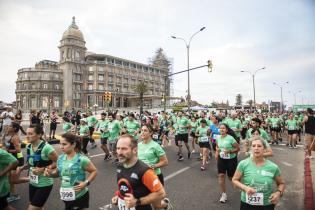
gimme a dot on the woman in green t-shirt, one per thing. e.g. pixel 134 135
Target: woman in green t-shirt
pixel 203 134
pixel 67 126
pixel 292 126
pixel 72 168
pixel 255 177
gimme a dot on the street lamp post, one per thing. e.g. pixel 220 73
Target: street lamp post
pixel 95 107
pixel 253 78
pixel 294 95
pixel 281 88
pixel 188 77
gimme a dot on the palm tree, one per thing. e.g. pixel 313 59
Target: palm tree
pixel 141 88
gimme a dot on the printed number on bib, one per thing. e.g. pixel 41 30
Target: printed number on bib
pixel 122 205
pixel 291 127
pixel 204 139
pixel 67 194
pixel 225 156
pixel 256 199
pixel 155 136
pixel 33 178
pixel 216 136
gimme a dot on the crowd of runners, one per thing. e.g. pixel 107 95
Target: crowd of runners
pixel 137 144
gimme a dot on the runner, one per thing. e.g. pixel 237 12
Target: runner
pixel 156 134
pixel 114 132
pixel 13 147
pixel 102 126
pixel 53 124
pixel 193 127
pixel 84 132
pixel 203 134
pixel 7 118
pixel 292 126
pixel 18 118
pixel 91 121
pixel 165 125
pixel 7 163
pixel 40 155
pixel 275 129
pixel 309 138
pixel 226 156
pixel 131 126
pixel 214 132
pixel 151 153
pixel 182 135
pixel 67 125
pixel 72 168
pixel 235 124
pixel 138 186
pixel 255 176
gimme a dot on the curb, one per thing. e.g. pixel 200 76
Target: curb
pixel 308 186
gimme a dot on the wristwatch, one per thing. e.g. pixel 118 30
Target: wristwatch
pixel 281 192
pixel 138 202
pixel 87 182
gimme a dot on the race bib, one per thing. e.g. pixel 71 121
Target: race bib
pixel 291 127
pixel 256 199
pixel 67 194
pixel 204 139
pixel 33 178
pixel 155 136
pixel 225 156
pixel 216 136
pixel 122 205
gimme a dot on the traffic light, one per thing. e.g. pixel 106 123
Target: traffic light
pixel 210 66
pixel 107 96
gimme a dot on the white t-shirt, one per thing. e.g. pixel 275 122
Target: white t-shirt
pixel 6 117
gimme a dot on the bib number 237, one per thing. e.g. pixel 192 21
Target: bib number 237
pixel 256 199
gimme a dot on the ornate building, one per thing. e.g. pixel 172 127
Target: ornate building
pixel 80 78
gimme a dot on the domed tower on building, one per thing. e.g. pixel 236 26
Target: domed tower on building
pixel 72 62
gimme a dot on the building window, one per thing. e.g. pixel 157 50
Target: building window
pixel 101 87
pixel 100 77
pixel 44 101
pixel 33 102
pixel 90 87
pixel 25 75
pixel 91 68
pixel 90 77
pixel 101 68
pixel 57 76
pixel 56 87
pixel 56 101
pixel 45 86
pixel 110 87
pixel 110 79
pixel 33 86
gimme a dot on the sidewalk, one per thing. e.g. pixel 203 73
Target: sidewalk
pixel 309 184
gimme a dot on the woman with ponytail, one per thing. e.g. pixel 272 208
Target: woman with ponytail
pixel 71 168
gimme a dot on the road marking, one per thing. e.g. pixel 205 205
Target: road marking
pixel 179 172
pixel 287 164
pixel 277 148
pixel 96 155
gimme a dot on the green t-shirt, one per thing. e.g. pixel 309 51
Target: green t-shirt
pixel 263 134
pixel 260 178
pixel 235 124
pixel 84 130
pixel 203 134
pixel 67 126
pixel 73 171
pixel 40 180
pixel 102 126
pixel 114 130
pixel 5 160
pixel 131 127
pixel 209 122
pixel 91 121
pixel 182 121
pixel 150 153
pixel 226 143
pixel 193 126
pixel 292 125
pixel 275 122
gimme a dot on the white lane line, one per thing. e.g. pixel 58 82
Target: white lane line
pixel 178 172
pixel 287 164
pixel 96 155
pixel 277 148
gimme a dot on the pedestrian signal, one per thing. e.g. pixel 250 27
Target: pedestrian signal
pixel 210 66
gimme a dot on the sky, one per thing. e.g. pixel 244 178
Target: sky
pixel 239 35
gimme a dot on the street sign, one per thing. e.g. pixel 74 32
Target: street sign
pixel 300 107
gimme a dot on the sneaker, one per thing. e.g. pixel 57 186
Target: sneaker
pixel 169 205
pixel 310 157
pixel 223 198
pixel 189 154
pixel 290 146
pixel 109 156
pixel 202 168
pixel 106 156
pixel 13 198
pixel 277 142
pixel 93 145
pixel 193 151
pixel 295 147
pixel 180 158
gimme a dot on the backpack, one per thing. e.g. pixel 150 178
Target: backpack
pixel 37 157
pixel 76 167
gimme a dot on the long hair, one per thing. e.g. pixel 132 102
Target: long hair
pixel 73 139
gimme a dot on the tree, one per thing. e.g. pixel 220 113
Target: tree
pixel 250 103
pixel 239 100
pixel 141 88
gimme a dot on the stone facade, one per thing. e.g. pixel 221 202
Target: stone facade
pixel 80 78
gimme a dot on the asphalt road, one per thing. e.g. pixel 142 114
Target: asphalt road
pixel 187 187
